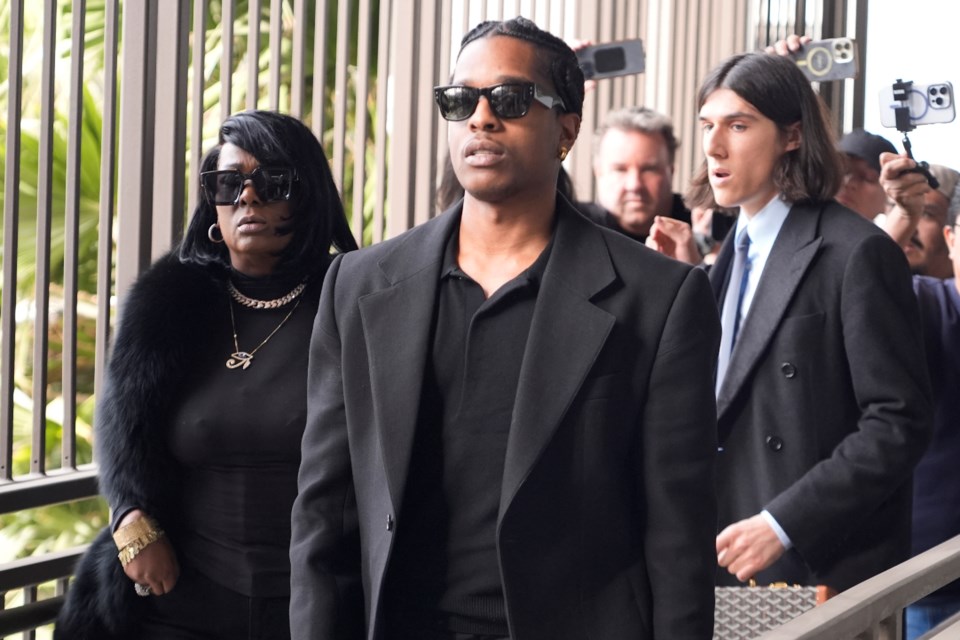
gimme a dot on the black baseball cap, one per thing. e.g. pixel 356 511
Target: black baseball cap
pixel 867 146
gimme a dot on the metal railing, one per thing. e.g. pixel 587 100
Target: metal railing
pixel 873 609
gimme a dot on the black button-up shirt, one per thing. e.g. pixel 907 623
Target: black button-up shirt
pixel 445 562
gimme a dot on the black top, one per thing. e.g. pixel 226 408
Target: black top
pixel 236 433
pixel 601 216
pixel 445 570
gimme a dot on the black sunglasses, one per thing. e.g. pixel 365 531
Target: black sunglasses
pixel 508 100
pixel 272 184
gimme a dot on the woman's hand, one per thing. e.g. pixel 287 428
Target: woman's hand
pixel 156 565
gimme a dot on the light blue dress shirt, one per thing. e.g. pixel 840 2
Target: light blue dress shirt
pixel 763 228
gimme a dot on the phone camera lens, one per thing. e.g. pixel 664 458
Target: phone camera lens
pixel 938 101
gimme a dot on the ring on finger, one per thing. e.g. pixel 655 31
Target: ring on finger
pixel 143 590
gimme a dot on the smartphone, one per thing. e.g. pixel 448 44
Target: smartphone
pixel 927 104
pixel 609 59
pixel 830 59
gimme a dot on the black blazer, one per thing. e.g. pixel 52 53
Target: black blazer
pixel 826 405
pixel 607 505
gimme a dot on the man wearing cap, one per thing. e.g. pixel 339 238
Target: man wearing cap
pixel 861 189
pixel 936 485
pixel 919 214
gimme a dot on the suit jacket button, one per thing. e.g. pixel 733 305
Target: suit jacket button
pixel 389 522
pixel 788 370
pixel 774 443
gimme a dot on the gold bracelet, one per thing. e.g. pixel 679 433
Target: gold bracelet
pixel 130 551
pixel 135 530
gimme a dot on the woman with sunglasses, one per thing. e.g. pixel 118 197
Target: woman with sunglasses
pixel 198 429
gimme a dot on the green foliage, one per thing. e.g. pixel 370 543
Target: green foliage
pixel 52 527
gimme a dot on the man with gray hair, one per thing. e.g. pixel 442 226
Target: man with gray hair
pixel 633 161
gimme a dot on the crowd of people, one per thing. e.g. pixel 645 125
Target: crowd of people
pixel 533 417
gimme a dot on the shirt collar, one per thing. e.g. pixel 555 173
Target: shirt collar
pixel 450 268
pixel 765 225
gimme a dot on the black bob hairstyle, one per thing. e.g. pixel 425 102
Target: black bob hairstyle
pixel 317 219
pixel 778 89
pixel 559 62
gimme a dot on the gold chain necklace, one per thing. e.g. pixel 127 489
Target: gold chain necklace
pixel 253 303
pixel 241 359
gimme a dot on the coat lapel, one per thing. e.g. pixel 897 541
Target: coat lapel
pixel 567 332
pixel 792 253
pixel 396 325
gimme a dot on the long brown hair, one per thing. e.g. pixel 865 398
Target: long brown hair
pixel 778 89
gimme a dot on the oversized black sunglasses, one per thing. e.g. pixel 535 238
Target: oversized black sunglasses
pixel 272 184
pixel 508 100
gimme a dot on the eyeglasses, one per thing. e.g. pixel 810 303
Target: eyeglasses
pixel 272 184
pixel 508 100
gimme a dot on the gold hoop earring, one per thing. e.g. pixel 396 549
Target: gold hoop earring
pixel 562 153
pixel 214 227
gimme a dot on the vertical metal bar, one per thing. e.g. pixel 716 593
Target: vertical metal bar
pixel 253 54
pixel 226 64
pixel 11 213
pixel 465 23
pixel 604 33
pixel 404 52
pixel 108 165
pixel 320 69
pixel 173 28
pixel 860 82
pixel 276 33
pixel 340 94
pixel 617 30
pixel 425 116
pixel 297 81
pixel 800 17
pixel 41 323
pixel 444 66
pixel 360 119
pixel 587 17
pixel 136 152
pixel 29 597
pixel 632 87
pixel 384 68
pixel 179 76
pixel 71 240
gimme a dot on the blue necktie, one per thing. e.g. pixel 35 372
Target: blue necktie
pixel 732 301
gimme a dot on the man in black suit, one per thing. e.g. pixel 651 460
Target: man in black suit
pixel 511 425
pixel 823 401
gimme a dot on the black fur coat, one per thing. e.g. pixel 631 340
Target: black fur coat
pixel 166 319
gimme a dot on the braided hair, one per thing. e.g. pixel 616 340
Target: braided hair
pixel 557 59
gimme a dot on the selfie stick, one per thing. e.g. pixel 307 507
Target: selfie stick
pixel 901 91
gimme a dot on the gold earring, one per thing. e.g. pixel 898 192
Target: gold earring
pixel 562 154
